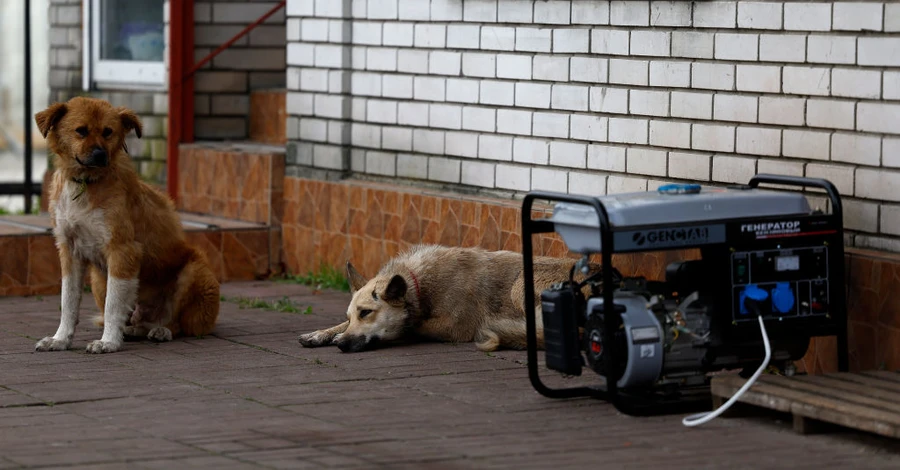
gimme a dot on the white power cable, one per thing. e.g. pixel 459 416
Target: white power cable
pixel 700 418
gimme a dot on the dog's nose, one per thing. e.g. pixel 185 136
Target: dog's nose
pixel 98 157
pixel 344 346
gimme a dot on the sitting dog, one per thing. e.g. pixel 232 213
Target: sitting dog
pixel 104 217
pixel 445 294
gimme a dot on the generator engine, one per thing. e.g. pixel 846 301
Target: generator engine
pixel 762 254
pixel 667 329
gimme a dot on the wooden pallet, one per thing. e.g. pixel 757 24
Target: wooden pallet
pixel 867 401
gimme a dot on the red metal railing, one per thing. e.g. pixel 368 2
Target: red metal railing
pixel 181 83
pixel 237 36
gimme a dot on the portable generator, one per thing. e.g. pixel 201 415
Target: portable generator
pixel 766 261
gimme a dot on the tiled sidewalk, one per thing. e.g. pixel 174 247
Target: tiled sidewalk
pixel 250 396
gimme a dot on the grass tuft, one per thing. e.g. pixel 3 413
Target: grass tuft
pixel 326 277
pixel 284 305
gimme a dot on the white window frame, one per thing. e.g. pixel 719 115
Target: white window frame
pixel 106 73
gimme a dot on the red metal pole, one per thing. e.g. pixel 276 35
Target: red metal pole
pixel 181 106
pixel 176 52
pixel 181 79
pixel 187 81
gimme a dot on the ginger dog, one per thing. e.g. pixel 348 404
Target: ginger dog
pixel 146 280
pixel 445 294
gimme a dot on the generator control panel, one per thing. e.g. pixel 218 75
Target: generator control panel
pixel 780 283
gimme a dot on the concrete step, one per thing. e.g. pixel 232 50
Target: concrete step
pixel 235 180
pixel 29 264
pixel 242 181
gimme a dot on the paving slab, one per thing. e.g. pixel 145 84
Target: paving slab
pixel 249 396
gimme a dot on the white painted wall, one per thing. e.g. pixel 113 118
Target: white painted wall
pixel 598 97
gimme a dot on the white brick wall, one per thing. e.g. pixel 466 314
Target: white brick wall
pixel 606 157
pixel 692 44
pixel 715 137
pixel 609 100
pixel 475 118
pixel 649 103
pixel 753 15
pixel 645 162
pixel 782 47
pixel 533 39
pixel 730 46
pixel 629 71
pixel 715 14
pixel 605 97
pixel 693 166
pixel 551 125
pixel 759 141
pixel 670 134
pixel 692 105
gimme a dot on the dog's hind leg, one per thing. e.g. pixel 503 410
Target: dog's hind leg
pixel 487 340
pixel 135 328
pixel 153 320
pixel 502 333
pixel 324 337
pixel 508 333
pixel 196 299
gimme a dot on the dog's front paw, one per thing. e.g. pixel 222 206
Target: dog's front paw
pixel 315 339
pixel 160 334
pixel 100 347
pixel 52 344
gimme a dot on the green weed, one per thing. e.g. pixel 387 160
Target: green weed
pixel 284 304
pixel 326 277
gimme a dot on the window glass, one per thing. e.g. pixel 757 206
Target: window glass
pixel 131 30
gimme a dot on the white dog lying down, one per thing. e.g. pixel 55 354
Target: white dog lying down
pixel 443 293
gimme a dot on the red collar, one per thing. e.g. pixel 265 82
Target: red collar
pixel 416 282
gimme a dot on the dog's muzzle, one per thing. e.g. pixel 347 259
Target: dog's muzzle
pixel 356 343
pixel 98 158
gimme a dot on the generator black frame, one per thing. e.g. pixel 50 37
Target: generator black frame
pixel 612 317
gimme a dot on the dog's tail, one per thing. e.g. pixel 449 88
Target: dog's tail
pixel 97 320
pixel 198 297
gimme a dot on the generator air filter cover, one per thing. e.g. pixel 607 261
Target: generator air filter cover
pixel 685 211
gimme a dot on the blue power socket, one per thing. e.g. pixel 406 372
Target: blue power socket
pixel 752 292
pixel 783 297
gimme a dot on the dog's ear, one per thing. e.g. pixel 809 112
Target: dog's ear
pixel 131 121
pixel 396 289
pixel 49 118
pixel 357 280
